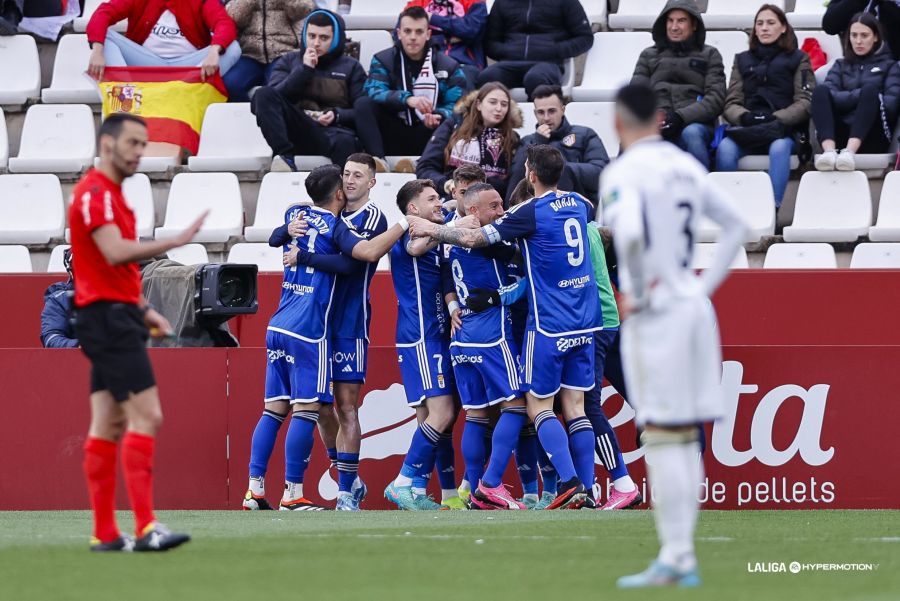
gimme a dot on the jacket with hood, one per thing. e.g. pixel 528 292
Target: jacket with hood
pixel 585 156
pixel 459 33
pixel 688 77
pixel 839 13
pixel 846 79
pixel 56 325
pixel 335 84
pixel 537 30
pixel 268 29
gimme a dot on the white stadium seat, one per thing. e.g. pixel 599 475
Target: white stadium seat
pixel 760 162
pixel 189 254
pixel 32 210
pixel 56 264
pixel 529 121
pixel 139 196
pixel 308 162
pixel 596 11
pixel 56 138
pixel 733 14
pixel 831 207
pixel 705 254
pixel 70 83
pixel 80 24
pixel 831 44
pixel 610 63
pixel 874 255
pixel 807 14
pixel 385 196
pixel 752 196
pixel 811 255
pixel 371 41
pixel 260 254
pixel 193 193
pixel 636 14
pixel 4 141
pixel 20 69
pixel 729 44
pixel 374 14
pixel 887 227
pixel 230 140
pixel 277 192
pixel 15 259
pixel 599 116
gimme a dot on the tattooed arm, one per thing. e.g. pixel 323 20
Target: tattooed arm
pixel 457 236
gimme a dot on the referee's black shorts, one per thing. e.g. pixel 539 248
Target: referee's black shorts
pixel 114 338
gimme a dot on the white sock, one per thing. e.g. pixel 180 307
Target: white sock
pixel 464 485
pixel 448 493
pixel 403 481
pixel 357 484
pixel 624 484
pixel 258 486
pixel 292 490
pixel 675 474
pixel 530 497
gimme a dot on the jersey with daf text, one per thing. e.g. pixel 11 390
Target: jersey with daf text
pixel 554 242
pixel 471 269
pixel 420 303
pixel 307 294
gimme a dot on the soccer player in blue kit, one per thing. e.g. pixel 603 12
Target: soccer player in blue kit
pixel 563 313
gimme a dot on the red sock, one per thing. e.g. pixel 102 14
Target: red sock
pixel 137 463
pixel 100 471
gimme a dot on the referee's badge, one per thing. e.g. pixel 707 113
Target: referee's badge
pixel 569 140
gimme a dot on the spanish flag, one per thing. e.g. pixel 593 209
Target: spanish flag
pixel 172 100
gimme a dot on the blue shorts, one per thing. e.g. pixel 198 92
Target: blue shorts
pixel 485 376
pixel 426 370
pixel 553 362
pixel 350 357
pixel 297 371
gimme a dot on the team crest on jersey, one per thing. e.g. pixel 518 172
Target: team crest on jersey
pixel 569 140
pixel 440 381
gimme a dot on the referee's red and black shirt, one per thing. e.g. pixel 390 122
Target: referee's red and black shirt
pixel 98 201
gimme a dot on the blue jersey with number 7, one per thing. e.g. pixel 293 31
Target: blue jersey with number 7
pixel 552 231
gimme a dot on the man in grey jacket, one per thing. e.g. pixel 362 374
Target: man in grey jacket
pixel 687 76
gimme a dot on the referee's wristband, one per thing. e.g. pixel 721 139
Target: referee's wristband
pixel 452 307
pixel 403 223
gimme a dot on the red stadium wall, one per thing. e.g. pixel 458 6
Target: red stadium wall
pixel 808 376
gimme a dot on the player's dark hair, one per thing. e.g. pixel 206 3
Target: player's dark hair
pixel 411 190
pixel 320 18
pixel 112 125
pixel 469 173
pixel 546 162
pixel 639 101
pixel 322 183
pixel 362 158
pixel 522 192
pixel 413 12
pixel 546 91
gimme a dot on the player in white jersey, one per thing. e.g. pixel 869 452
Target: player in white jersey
pixel 654 196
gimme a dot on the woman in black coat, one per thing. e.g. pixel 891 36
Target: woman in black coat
pixel 857 107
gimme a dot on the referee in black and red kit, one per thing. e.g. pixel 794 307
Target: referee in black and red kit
pixel 113 323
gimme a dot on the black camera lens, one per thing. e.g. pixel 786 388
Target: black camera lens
pixel 233 291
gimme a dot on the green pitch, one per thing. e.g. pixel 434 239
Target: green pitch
pixel 442 555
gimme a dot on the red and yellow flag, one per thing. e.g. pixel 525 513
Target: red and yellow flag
pixel 172 100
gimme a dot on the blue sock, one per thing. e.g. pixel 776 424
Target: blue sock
pixel 606 445
pixel 527 459
pixel 702 440
pixel 581 442
pixel 347 466
pixel 332 456
pixel 445 461
pixel 553 438
pixel 263 442
pixel 421 452
pixel 473 450
pixel 298 444
pixel 506 436
pixel 548 473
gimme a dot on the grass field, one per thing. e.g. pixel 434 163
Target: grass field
pixel 442 555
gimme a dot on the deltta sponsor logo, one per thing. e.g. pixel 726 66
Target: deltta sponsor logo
pixel 298 289
pixel 459 359
pixel 564 344
pixel 562 203
pixel 574 282
pixel 275 355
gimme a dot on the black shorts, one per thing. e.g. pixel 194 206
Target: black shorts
pixel 114 338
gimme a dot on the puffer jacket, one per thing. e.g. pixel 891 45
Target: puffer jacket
pixel 839 13
pixel 688 77
pixel 846 80
pixel 268 29
pixel 335 84
pixel 537 30
pixel 56 323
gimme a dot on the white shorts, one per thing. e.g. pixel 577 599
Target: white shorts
pixel 673 364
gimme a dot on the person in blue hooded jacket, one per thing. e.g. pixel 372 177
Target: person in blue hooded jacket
pixel 56 317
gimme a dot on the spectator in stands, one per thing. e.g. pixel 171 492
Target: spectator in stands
pixel 161 33
pixel 857 107
pixel 531 40
pixel 457 30
pixel 342 8
pixel 11 12
pixel 687 75
pixel 308 106
pixel 840 14
pixel 581 146
pixel 771 82
pixel 482 132
pixel 411 90
pixel 57 330
pixel 267 30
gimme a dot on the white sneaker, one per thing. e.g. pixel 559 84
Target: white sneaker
pixel 846 161
pixel 826 160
